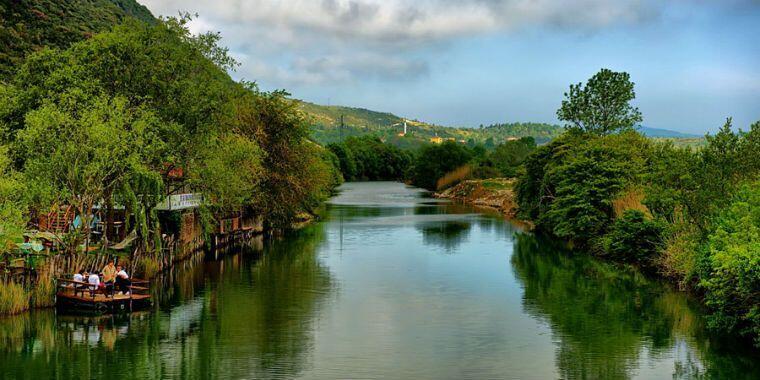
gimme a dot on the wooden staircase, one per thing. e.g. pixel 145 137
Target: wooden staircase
pixel 59 219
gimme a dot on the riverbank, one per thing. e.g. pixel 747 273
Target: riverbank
pixel 37 289
pixel 494 193
pixel 498 194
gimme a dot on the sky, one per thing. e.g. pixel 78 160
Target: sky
pixel 471 62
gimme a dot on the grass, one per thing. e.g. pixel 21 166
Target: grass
pixel 630 200
pixel 453 177
pixel 678 259
pixel 13 298
pixel 497 184
pixel 43 293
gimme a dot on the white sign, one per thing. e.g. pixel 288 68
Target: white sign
pixel 180 202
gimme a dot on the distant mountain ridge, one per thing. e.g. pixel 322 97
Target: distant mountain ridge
pixel 666 133
pixel 30 25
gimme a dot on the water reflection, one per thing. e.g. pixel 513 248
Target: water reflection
pixel 400 287
pixel 449 235
pixel 259 305
pixel 607 320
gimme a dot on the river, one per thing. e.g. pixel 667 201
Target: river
pixel 390 284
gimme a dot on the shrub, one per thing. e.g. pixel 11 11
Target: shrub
pixel 731 273
pixel 634 238
pixel 588 182
pixel 678 257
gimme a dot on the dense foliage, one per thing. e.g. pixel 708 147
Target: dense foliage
pixel 434 161
pixel 732 265
pixel 367 158
pixel 30 25
pixel 508 158
pixel 106 121
pixel 609 189
pixel 12 204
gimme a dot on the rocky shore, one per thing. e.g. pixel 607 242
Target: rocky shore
pixel 495 193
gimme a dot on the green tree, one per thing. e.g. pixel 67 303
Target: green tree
pixel 508 157
pixel 732 278
pixel 12 204
pixel 434 161
pixel 345 159
pixel 634 238
pixel 229 172
pixel 570 184
pixel 602 106
pixel 86 151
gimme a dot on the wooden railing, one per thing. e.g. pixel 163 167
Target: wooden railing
pixel 79 287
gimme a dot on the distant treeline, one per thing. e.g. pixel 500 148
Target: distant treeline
pixel 369 158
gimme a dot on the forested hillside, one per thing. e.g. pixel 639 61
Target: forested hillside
pixel 359 122
pixel 29 25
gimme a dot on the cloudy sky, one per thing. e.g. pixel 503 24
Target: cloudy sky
pixel 471 62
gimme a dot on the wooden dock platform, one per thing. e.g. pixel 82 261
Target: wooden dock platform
pixel 80 297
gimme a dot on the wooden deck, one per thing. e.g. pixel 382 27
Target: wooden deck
pixel 79 297
pixel 102 297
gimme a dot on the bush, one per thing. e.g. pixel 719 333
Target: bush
pixel 634 238
pixel 731 266
pixel 587 180
pixel 678 258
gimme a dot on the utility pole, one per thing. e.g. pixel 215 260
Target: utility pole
pixel 341 127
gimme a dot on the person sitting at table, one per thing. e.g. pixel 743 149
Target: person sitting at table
pixel 109 275
pixel 78 278
pixel 94 281
pixel 122 280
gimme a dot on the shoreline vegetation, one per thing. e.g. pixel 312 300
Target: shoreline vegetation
pixel 136 144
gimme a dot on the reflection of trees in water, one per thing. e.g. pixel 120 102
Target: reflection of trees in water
pixel 265 312
pixel 242 316
pixel 42 345
pixel 605 317
pixel 447 234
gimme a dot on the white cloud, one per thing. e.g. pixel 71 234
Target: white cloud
pixel 314 41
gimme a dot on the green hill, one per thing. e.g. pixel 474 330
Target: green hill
pixel 325 127
pixel 359 122
pixel 30 25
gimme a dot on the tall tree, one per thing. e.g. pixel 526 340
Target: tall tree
pixel 602 106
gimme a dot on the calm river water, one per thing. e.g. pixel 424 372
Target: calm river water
pixel 389 285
